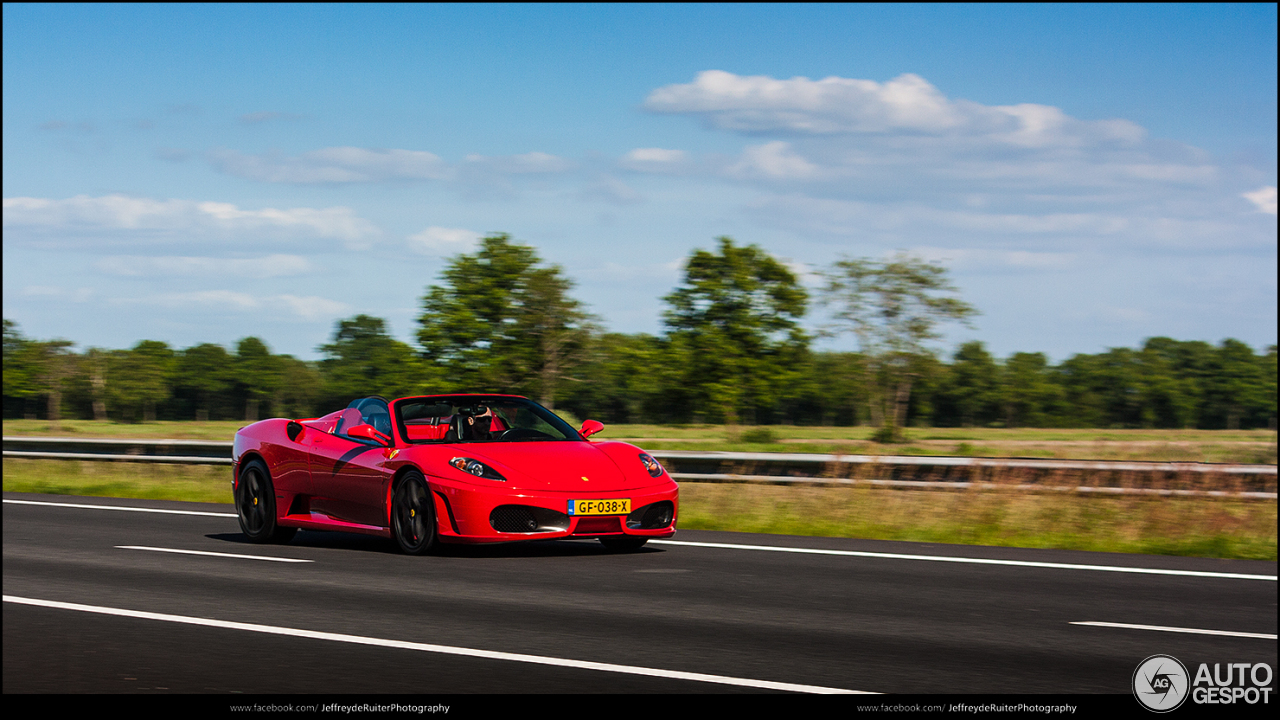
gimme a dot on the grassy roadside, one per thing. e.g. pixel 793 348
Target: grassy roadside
pixel 1204 527
pixel 1222 446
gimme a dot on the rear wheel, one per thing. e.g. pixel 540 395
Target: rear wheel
pixel 256 506
pixel 623 544
pixel 413 517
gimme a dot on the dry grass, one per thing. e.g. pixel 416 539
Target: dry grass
pixel 1196 526
pixel 154 481
pixel 1206 527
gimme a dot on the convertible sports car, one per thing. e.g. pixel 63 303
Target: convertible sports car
pixel 448 469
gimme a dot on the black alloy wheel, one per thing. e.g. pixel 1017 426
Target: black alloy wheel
pixel 413 517
pixel 623 544
pixel 256 506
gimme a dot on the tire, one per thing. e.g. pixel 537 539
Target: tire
pixel 413 516
pixel 623 544
pixel 256 506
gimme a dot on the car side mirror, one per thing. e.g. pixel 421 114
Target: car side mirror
pixel 591 427
pixel 367 432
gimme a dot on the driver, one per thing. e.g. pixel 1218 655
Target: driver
pixel 478 425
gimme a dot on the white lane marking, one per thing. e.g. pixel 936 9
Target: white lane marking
pixel 426 647
pixel 120 507
pixel 1194 631
pixel 977 561
pixel 812 551
pixel 211 554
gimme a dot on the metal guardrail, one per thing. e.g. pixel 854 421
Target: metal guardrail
pixel 187 452
pixel 908 471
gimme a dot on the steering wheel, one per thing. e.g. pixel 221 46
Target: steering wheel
pixel 523 434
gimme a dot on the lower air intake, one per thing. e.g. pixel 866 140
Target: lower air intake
pixel 654 516
pixel 512 518
pixel 597 525
pixel 527 519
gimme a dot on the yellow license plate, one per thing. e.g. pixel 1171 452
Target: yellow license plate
pixel 599 507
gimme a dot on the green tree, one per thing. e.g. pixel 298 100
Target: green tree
pixel 53 362
pixel 974 384
pixel 1027 390
pixel 499 321
pixel 364 359
pixel 299 389
pixel 624 379
pixel 96 362
pixel 1267 368
pixel 204 374
pixel 258 374
pixel 1169 396
pixel 138 379
pixel 893 308
pixel 20 368
pixel 735 323
pixel 1236 390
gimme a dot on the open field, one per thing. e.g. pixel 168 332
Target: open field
pixel 1206 527
pixel 1225 446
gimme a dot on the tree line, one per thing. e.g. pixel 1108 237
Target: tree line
pixel 732 351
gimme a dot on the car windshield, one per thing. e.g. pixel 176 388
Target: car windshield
pixel 479 418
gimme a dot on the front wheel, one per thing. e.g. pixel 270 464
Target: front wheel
pixel 413 517
pixel 623 544
pixel 256 506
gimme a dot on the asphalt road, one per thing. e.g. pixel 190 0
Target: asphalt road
pixel 749 617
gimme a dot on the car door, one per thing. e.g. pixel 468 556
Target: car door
pixel 349 478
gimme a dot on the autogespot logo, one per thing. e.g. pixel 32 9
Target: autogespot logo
pixel 1160 683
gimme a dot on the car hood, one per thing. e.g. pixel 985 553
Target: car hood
pixel 563 466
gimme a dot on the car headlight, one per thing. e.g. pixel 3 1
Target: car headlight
pixel 655 470
pixel 477 468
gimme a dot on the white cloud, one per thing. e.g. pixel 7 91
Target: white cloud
pixel 172 266
pixel 312 307
pixel 333 165
pixel 528 163
pixel 775 161
pixel 307 308
pixel 655 160
pixel 443 241
pixel 905 104
pixel 337 165
pixel 898 223
pixel 612 190
pixel 978 258
pixel 1264 198
pixel 183 219
pixel 656 155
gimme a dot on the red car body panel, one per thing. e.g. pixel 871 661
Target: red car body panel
pixel 325 481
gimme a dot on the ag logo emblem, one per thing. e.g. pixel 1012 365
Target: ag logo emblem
pixel 1160 683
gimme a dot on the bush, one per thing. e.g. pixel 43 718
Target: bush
pixel 761 435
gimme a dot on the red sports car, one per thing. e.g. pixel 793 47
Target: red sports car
pixel 448 469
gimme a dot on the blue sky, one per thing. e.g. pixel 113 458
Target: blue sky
pixel 1091 175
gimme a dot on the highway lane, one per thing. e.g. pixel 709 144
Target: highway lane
pixel 879 624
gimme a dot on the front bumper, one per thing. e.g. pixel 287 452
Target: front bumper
pixel 465 513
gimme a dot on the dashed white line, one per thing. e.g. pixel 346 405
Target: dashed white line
pixel 443 649
pixel 772 548
pixel 119 507
pixel 1194 631
pixel 976 561
pixel 212 554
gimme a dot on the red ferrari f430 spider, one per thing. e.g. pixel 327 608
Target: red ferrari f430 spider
pixel 448 469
